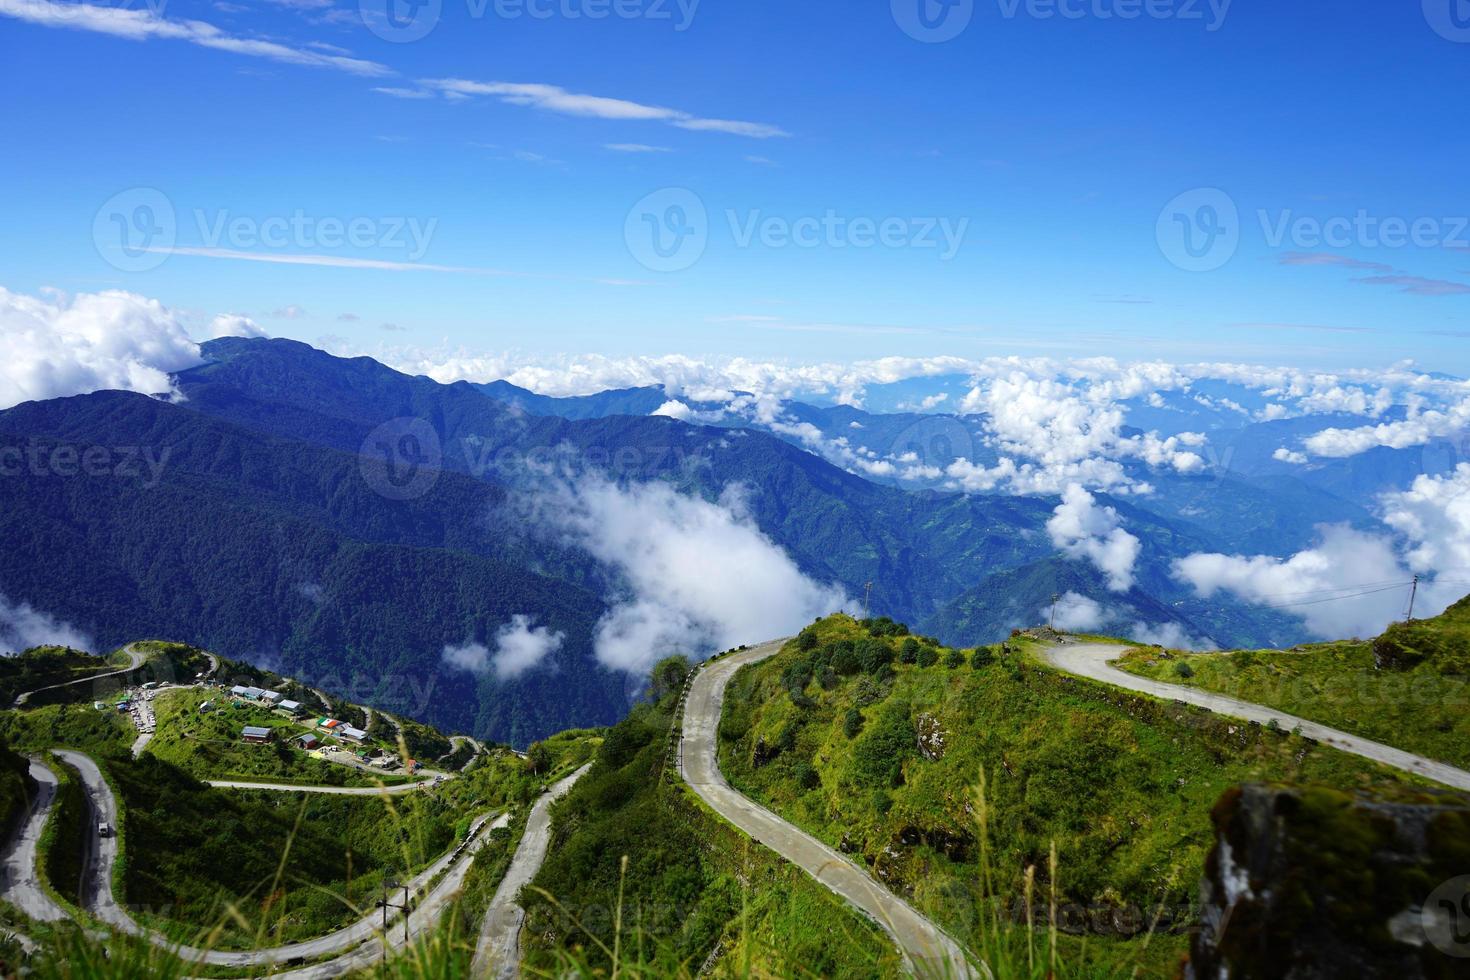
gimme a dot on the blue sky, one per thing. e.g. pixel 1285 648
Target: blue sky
pixel 1051 149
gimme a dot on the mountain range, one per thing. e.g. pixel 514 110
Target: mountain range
pixel 356 526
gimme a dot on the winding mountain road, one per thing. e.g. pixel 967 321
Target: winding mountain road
pixel 19 883
pixel 394 790
pixel 1094 661
pixel 927 950
pixel 135 660
pixel 498 954
pixel 98 897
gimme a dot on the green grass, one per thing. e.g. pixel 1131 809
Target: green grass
pixel 1338 684
pixel 829 738
pixel 60 852
pixel 642 880
pixel 75 726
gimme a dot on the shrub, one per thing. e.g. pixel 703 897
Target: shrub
pixel 1184 670
pixel 954 659
pixel 807 777
pixel 928 657
pixel 983 657
pixel 909 652
pixel 852 723
pixel 877 759
pixel 873 655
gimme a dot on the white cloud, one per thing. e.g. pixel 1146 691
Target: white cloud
pixel 1170 635
pixel 699 576
pixel 1076 613
pixel 675 409
pixel 234 325
pixel 554 98
pixel 1321 584
pixel 61 346
pixel 23 627
pixel 635 148
pixel 519 648
pixel 1416 430
pixel 144 24
pixel 1434 515
pixel 1082 529
pixel 1285 455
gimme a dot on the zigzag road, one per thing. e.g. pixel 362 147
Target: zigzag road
pixel 928 951
pixel 1094 661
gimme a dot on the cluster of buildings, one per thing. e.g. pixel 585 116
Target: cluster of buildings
pixel 291 709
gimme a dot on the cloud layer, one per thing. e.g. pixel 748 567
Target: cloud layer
pixel 520 647
pixel 23 627
pixel 698 576
pixel 1084 530
pixel 59 346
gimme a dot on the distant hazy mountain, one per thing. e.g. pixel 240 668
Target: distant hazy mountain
pixel 276 531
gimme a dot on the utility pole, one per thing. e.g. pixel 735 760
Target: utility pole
pixel 867 595
pixel 1056 598
pixel 1413 594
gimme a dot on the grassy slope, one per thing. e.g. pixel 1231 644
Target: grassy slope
pixel 691 882
pixel 1122 784
pixel 1422 707
pixel 208 745
pixel 43 666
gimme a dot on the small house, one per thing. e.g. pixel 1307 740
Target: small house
pixel 274 697
pixel 309 741
pixel 256 735
pixel 290 708
pixel 354 735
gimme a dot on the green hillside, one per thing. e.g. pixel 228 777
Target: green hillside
pixel 880 745
pixel 631 837
pixel 1409 688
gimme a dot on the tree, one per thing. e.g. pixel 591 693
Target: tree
pixel 954 659
pixel 909 652
pixel 538 759
pixel 928 656
pixel 852 723
pixel 669 675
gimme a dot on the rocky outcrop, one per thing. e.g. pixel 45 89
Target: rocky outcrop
pixel 1312 883
pixel 932 737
